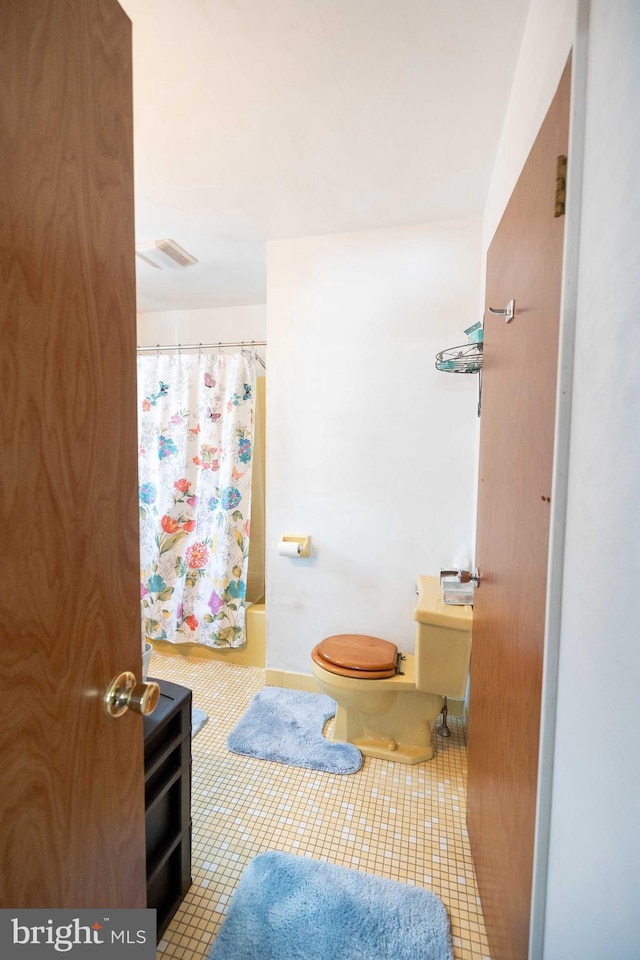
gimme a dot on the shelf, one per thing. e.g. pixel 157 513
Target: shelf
pixel 157 862
pixel 159 757
pixel 167 752
pixel 153 797
pixel 464 359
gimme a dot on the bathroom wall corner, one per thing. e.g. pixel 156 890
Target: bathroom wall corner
pixel 291 681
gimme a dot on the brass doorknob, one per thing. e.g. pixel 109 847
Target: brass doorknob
pixel 125 693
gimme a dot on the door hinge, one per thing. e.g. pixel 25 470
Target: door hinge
pixel 561 186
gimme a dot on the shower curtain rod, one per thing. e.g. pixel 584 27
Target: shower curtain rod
pixel 165 347
pixel 172 347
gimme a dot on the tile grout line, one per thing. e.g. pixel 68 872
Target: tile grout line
pixel 402 822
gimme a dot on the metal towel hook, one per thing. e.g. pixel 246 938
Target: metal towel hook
pixel 507 312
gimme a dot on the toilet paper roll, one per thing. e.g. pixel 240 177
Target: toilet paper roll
pixel 289 548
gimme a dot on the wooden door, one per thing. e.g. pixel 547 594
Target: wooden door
pixel 71 796
pixel 516 452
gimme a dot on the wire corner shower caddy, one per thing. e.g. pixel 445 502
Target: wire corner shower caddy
pixel 466 358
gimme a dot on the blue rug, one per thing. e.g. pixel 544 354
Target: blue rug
pixel 286 726
pixel 295 908
pixel 198 720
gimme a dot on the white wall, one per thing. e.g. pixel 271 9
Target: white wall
pixel 594 852
pixel 545 47
pixel 203 325
pixel 370 450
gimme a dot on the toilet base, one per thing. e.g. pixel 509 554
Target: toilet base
pixel 391 750
pixel 388 719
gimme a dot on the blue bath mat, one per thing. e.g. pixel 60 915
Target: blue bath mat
pixel 198 720
pixel 286 726
pixel 295 908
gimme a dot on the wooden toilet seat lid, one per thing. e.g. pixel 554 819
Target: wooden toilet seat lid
pixel 357 651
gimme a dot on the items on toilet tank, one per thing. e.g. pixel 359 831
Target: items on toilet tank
pixel 458 582
pixel 454 589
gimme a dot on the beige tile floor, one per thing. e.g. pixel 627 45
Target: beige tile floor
pixel 403 822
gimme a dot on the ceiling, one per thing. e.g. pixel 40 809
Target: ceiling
pixel 258 120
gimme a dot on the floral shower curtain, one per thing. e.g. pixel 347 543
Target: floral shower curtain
pixel 195 417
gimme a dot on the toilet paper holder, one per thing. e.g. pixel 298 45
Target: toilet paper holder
pixel 305 544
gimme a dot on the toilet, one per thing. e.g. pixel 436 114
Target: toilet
pixel 387 702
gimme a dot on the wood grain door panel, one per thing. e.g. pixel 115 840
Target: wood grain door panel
pixel 72 798
pixel 515 471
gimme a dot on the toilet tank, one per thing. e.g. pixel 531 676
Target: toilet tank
pixel 443 642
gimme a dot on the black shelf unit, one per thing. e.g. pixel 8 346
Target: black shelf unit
pixel 167 793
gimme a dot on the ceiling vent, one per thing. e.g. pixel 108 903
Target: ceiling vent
pixel 164 253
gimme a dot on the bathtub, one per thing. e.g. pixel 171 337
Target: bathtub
pixel 253 654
